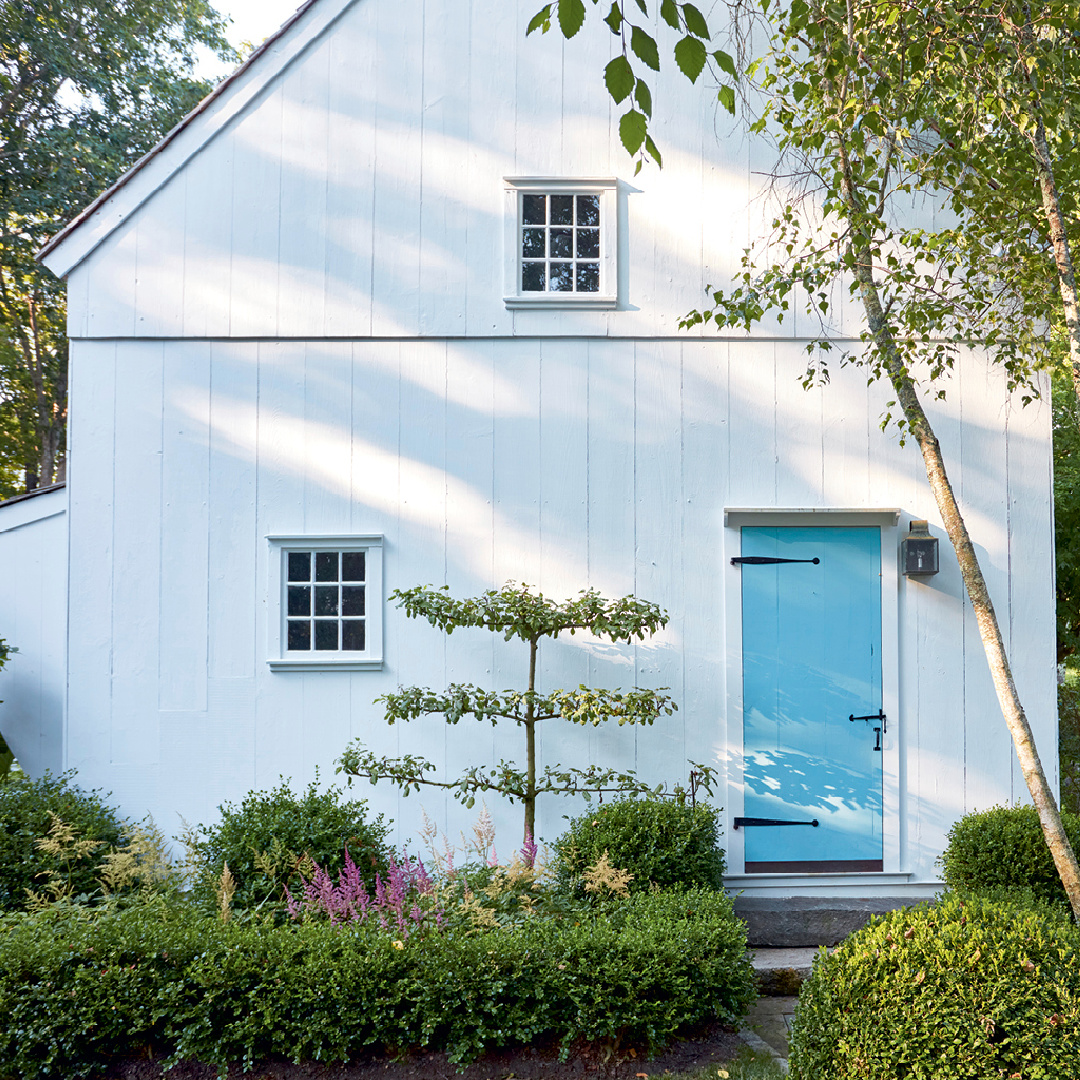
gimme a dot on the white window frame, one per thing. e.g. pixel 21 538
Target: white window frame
pixel 607 189
pixel 278 656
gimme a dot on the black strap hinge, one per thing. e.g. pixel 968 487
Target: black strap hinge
pixel 766 560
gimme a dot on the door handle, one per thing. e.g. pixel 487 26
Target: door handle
pixel 877 745
pixel 879 715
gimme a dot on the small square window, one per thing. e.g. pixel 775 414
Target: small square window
pixel 328 612
pixel 561 243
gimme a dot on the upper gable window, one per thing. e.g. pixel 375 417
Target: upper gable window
pixel 560 243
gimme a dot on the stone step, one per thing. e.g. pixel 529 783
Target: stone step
pixel 807 922
pixel 780 972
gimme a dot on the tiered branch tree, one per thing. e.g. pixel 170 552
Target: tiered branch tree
pixel 516 612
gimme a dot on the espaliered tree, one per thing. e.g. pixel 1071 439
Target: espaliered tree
pixel 518 613
pixel 868 100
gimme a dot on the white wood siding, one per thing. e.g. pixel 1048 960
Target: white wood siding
pixel 33 619
pixel 361 193
pixel 564 463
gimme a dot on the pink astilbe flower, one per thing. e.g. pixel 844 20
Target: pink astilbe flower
pixel 396 901
pixel 528 850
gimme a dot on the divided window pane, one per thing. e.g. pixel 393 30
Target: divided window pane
pixel 560 243
pixel 326 601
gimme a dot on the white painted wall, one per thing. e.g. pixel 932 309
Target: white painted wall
pixel 362 192
pixel 565 463
pixel 303 331
pixel 33 618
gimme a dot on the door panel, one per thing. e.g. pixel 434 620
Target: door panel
pixel 811 640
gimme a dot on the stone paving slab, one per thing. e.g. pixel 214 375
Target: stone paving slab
pixel 768 1026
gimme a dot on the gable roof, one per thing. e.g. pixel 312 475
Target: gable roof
pixel 78 239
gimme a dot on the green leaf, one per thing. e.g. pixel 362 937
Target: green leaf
pixel 619 78
pixel 643 96
pixel 633 128
pixel 571 16
pixel 654 152
pixel 614 18
pixel 727 65
pixel 695 21
pixel 645 48
pixel 690 55
pixel 726 97
pixel 540 21
pixel 669 12
pixel 799 90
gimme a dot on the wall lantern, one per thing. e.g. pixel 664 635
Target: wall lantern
pixel 919 551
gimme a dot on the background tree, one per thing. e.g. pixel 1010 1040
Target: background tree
pixel 858 95
pixel 86 88
pixel 515 612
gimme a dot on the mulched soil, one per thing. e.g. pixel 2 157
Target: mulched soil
pixel 711 1045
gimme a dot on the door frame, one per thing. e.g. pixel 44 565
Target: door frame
pixel 893 742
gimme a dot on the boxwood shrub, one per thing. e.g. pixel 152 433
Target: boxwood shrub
pixel 662 842
pixel 79 989
pixel 1003 847
pixel 968 989
pixel 270 826
pixel 25 808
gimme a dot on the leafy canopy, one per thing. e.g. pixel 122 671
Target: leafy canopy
pixel 516 612
pixel 86 88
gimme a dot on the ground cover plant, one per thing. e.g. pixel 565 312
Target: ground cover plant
pixel 963 990
pixel 661 842
pixel 1003 848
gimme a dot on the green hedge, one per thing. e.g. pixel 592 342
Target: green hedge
pixel 80 988
pixel 1004 847
pixel 964 990
pixel 660 841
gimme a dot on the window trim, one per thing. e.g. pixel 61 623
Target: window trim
pixel 278 658
pixel 607 189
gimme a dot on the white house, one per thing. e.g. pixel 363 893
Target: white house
pixel 390 308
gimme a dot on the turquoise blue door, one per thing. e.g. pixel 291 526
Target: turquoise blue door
pixel 812 704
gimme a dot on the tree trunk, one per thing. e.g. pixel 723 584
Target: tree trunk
pixel 1059 239
pixel 974 582
pixel 530 750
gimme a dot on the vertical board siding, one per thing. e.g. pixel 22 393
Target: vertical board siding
pixel 183 638
pixel 565 464
pixel 357 195
pixel 234 592
pixel 33 617
pixel 92 400
pixel 138 466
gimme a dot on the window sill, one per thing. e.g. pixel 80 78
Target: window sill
pixel 344 664
pixel 565 301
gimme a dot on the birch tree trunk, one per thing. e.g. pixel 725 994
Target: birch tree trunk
pixel 974 582
pixel 1059 239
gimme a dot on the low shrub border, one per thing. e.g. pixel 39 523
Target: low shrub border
pixel 964 990
pixel 79 988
